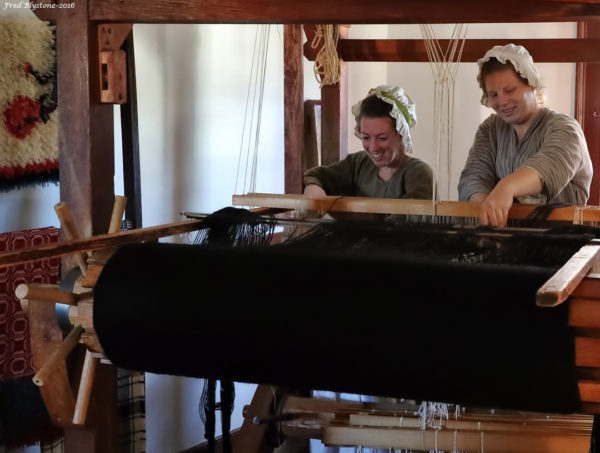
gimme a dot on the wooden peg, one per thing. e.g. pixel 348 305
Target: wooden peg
pixel 45 292
pixel 70 231
pixel 58 356
pixel 85 388
pixel 117 214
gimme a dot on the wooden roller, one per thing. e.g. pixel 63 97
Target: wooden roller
pixel 84 312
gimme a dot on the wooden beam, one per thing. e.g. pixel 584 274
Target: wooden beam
pixel 413 50
pixel 86 160
pixel 85 126
pixel 431 440
pixel 312 130
pixel 560 286
pixel 293 113
pixel 587 352
pixel 46 337
pixel 348 12
pixel 584 312
pixel 398 206
pixel 587 107
pixel 112 65
pixel 45 10
pixel 334 115
pixel 589 288
pixel 130 140
pixel 252 437
pixel 97 242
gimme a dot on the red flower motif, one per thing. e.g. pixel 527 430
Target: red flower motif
pixel 21 115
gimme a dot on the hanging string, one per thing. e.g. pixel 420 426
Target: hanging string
pixel 249 143
pixel 444 66
pixel 327 62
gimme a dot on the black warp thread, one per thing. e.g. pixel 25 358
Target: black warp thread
pixel 236 227
pixel 233 227
pixel 444 299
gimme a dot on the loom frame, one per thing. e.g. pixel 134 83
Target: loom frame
pixel 86 124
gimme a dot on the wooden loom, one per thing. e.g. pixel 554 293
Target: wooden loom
pixel 374 424
pixel 87 180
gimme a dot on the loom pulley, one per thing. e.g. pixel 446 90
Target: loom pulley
pixel 77 302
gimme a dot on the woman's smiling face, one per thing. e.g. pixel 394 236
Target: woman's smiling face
pixel 381 141
pixel 511 97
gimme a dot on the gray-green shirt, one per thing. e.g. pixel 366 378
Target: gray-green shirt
pixel 553 146
pixel 356 176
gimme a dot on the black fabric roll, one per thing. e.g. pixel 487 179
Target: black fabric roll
pixel 409 328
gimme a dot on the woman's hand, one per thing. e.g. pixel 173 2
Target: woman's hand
pixel 314 191
pixel 494 209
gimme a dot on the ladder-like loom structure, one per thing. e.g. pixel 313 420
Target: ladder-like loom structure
pixel 92 71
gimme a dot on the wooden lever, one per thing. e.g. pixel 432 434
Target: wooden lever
pixel 58 356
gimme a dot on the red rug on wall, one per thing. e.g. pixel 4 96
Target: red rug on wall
pixel 28 103
pixel 15 349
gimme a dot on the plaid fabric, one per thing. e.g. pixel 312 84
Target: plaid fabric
pixel 132 411
pixel 132 415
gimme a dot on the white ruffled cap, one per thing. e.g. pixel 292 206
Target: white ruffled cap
pixel 521 61
pixel 403 111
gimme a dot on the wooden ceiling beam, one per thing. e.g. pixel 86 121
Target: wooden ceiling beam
pixel 347 12
pixel 413 50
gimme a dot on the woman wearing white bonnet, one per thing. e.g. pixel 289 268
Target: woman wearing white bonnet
pixel 523 152
pixel 384 169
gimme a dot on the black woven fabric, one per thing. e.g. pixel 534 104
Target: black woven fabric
pixel 317 317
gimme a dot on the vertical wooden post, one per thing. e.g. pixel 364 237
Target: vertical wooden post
pixel 293 110
pixel 587 104
pixel 131 144
pixel 86 151
pixel 334 115
pixel 86 159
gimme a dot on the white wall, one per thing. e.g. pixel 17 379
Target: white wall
pixel 192 84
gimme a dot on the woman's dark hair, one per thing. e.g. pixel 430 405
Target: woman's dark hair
pixel 373 107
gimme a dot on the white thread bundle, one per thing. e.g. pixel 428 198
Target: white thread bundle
pixel 327 62
pixel 444 66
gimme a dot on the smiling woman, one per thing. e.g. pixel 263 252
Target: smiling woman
pixel 384 168
pixel 524 151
